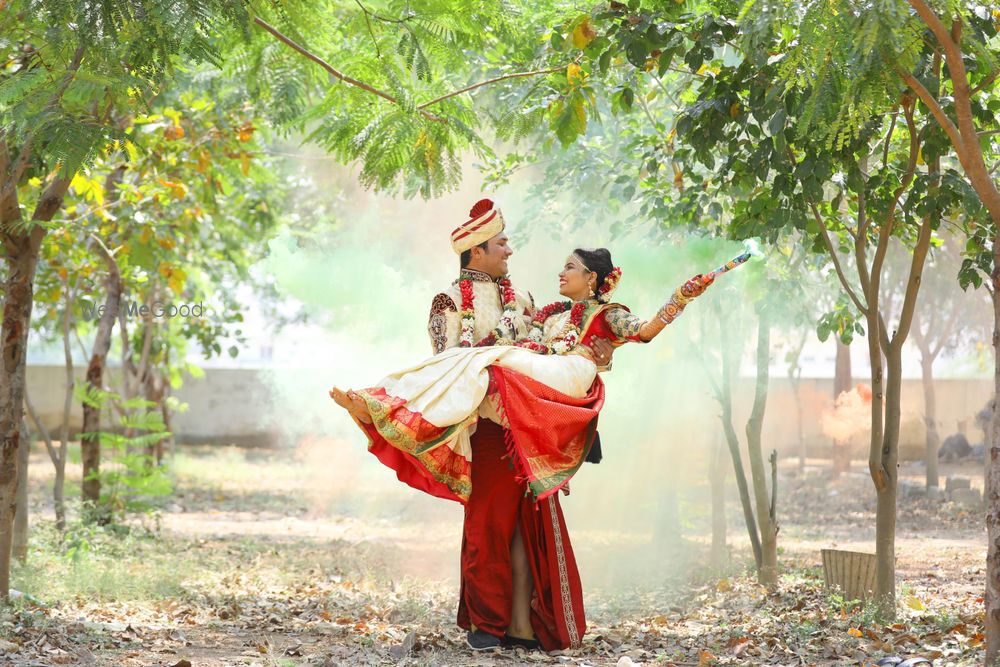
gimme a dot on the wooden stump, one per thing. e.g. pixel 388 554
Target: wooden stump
pixel 852 571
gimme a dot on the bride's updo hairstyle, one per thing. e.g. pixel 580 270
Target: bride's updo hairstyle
pixel 597 260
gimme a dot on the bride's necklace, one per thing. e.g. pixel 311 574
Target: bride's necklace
pixel 568 336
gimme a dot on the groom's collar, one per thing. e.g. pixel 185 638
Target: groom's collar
pixel 478 276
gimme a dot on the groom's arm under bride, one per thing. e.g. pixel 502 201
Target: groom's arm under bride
pixel 443 327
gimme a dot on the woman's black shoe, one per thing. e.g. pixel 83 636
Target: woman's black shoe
pixel 518 642
pixel 481 641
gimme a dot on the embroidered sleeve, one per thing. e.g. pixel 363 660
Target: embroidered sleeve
pixel 624 324
pixel 442 310
pixel 531 308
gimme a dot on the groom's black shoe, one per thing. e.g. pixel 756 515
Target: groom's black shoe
pixel 520 642
pixel 481 641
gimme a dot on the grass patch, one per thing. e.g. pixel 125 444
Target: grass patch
pixel 101 564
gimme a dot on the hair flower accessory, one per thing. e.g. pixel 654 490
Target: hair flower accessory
pixel 610 285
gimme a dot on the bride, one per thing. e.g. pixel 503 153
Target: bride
pixel 542 388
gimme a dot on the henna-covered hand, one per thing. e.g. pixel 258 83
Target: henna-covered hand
pixel 603 349
pixel 697 285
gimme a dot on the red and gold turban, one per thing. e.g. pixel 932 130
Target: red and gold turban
pixel 485 221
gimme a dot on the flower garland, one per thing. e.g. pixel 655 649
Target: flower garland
pixel 504 333
pixel 609 285
pixel 571 335
pixel 567 338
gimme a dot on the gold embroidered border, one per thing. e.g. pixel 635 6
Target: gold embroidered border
pixel 567 598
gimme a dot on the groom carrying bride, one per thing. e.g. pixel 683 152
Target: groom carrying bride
pixel 498 561
pixel 501 418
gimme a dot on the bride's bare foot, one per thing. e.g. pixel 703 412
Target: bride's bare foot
pixel 352 403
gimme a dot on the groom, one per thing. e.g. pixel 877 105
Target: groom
pixel 512 550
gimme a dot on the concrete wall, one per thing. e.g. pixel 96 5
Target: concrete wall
pixel 226 405
pixel 234 406
pixel 958 401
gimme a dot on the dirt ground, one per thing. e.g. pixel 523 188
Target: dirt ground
pixel 252 563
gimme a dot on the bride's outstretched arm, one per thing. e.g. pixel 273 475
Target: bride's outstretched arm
pixel 631 327
pixel 669 311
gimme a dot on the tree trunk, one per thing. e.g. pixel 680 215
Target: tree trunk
pixel 930 417
pixel 21 517
pixel 767 570
pixel 59 488
pixel 154 387
pixel 968 146
pixel 799 426
pixel 842 379
pixel 885 520
pixel 90 443
pixel 795 380
pixel 885 509
pixel 717 479
pixel 987 190
pixel 842 382
pixel 22 257
pixel 165 411
pixel 992 597
pixel 733 442
pixel 841 457
pixel 60 469
pixel 21 251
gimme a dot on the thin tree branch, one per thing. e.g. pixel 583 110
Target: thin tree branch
pixel 665 90
pixel 944 37
pixel 919 337
pixel 944 334
pixel 773 510
pixel 371 32
pixel 375 91
pixel 861 240
pixel 46 436
pixel 885 232
pixel 888 140
pixel 916 270
pixel 79 344
pixel 385 19
pixel 652 121
pixel 836 259
pixel 942 118
pixel 106 206
pixel 969 152
pixel 985 83
pixel 493 80
pixel 331 69
pixel 831 249
pixel 70 374
pixel 128 366
pixel 147 339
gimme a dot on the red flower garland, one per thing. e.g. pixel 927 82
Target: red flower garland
pixel 575 320
pixel 466 288
pixel 550 310
pixel 469 314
